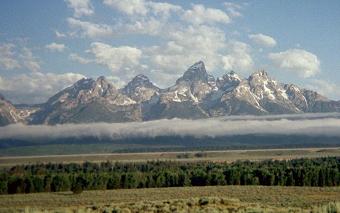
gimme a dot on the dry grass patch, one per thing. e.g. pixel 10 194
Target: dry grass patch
pixel 184 198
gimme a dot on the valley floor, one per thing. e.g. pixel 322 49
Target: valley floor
pixel 217 156
pixel 184 199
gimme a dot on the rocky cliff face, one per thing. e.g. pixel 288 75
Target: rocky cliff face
pixel 140 89
pixel 183 99
pixel 194 95
pixel 88 100
pixel 8 113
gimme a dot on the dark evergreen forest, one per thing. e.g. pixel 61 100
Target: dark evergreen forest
pixel 100 176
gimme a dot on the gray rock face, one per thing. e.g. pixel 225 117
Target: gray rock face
pixel 183 99
pixel 196 72
pixel 88 100
pixel 8 113
pixel 228 81
pixel 194 95
pixel 296 96
pixel 140 89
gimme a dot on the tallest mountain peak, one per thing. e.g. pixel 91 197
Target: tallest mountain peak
pixel 196 72
pixel 140 78
pixel 197 65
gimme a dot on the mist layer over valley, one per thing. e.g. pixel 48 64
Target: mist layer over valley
pixel 298 130
pixel 305 124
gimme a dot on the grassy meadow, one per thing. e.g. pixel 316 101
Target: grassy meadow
pixel 183 199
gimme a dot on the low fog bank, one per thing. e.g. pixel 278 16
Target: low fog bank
pixel 304 124
pixel 301 116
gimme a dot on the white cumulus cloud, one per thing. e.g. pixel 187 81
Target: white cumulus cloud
pixel 184 47
pixel 128 6
pixel 35 87
pixel 80 7
pixel 8 60
pixel 233 9
pixel 263 40
pixel 199 14
pixel 75 57
pixel 325 87
pixel 122 58
pixel 59 34
pixel 29 61
pixel 300 61
pixel 55 47
pixel 142 7
pixel 14 56
pixel 88 29
pixel 238 58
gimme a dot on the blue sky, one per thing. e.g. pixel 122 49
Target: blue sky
pixel 47 45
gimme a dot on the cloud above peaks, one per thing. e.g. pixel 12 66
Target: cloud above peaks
pixel 324 87
pixel 121 58
pixel 262 40
pixel 184 47
pixel 35 87
pixel 238 57
pixel 300 61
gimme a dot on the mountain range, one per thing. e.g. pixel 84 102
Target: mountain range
pixel 195 95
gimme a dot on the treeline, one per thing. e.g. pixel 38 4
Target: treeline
pixel 107 175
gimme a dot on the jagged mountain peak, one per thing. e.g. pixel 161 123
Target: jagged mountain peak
pixel 195 95
pixel 83 83
pixel 140 80
pixel 196 72
pixel 291 87
pixel 8 113
pixel 101 79
pixel 263 86
pixel 140 77
pixel 261 79
pixel 230 75
pixel 92 84
pixel 90 81
pixel 261 74
pixel 140 89
pixel 102 82
pixel 197 65
pixel 233 76
pixel 228 80
pixel 83 91
pixel 94 88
